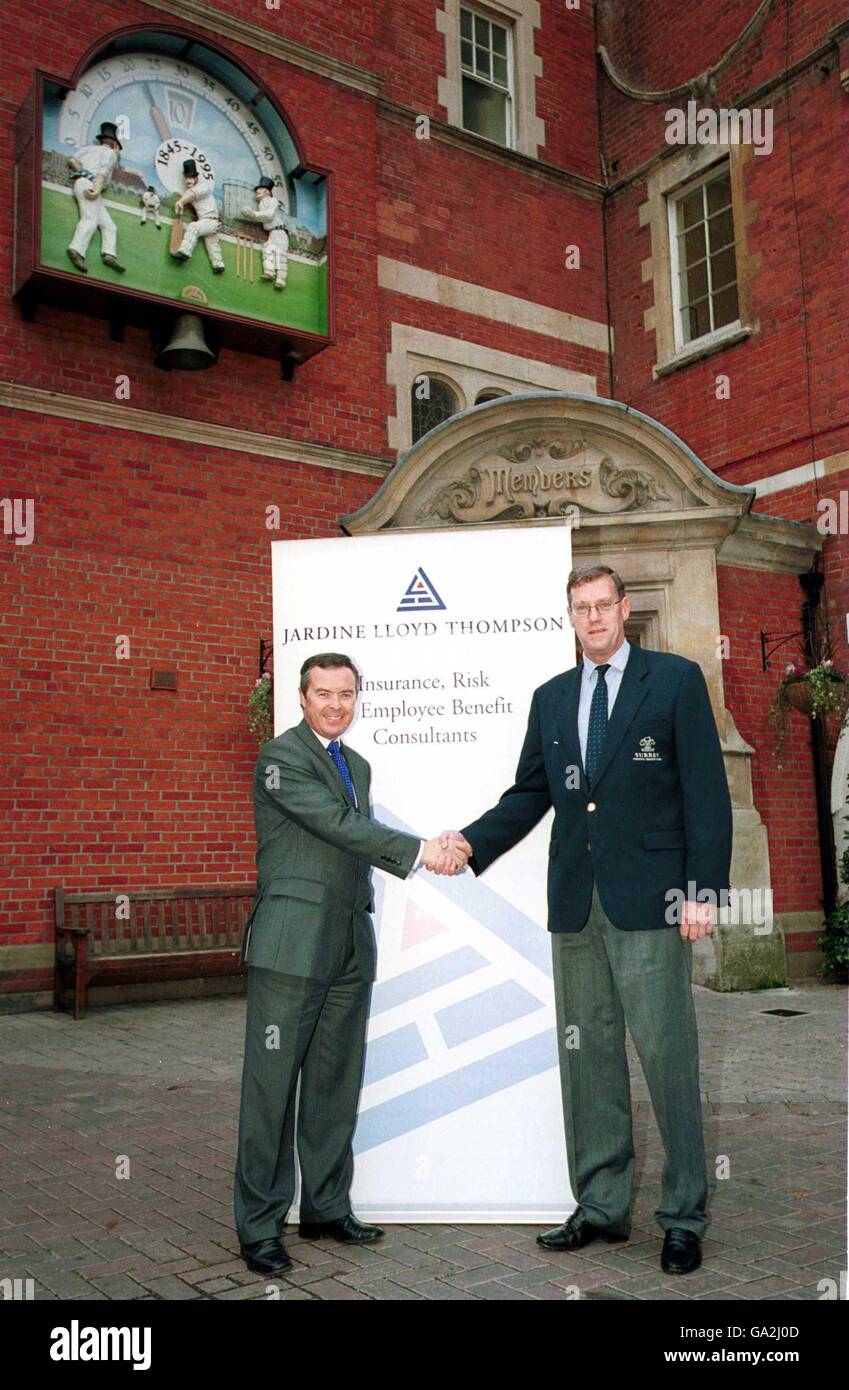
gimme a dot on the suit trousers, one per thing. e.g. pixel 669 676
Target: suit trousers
pixel 605 979
pixel 322 1030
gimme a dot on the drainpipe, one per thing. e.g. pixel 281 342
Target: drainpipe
pixel 812 582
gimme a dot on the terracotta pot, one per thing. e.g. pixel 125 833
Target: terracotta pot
pixel 800 695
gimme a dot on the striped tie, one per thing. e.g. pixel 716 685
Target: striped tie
pixel 598 723
pixel 335 753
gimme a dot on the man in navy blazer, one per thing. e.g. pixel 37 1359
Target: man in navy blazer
pixel 625 749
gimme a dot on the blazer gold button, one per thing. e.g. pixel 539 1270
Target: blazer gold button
pixel 590 805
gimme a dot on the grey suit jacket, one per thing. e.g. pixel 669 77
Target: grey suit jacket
pixel 314 857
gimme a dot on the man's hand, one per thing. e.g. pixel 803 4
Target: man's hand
pixel 442 856
pixel 451 842
pixel 697 920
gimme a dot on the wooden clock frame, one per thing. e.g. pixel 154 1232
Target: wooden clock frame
pixel 36 284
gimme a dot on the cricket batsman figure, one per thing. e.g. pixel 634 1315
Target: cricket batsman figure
pixel 91 169
pixel 275 252
pixel 208 225
pixel 150 206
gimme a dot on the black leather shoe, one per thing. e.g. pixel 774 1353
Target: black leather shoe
pixel 577 1232
pixel 265 1256
pixel 345 1228
pixel 682 1251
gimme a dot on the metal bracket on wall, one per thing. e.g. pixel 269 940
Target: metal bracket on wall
pixel 770 637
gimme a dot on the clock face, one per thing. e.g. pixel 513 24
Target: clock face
pixel 163 109
pixel 174 119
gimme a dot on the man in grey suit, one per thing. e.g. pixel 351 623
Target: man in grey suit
pixel 310 950
pixel 625 749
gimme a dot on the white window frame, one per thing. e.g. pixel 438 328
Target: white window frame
pixel 509 91
pixel 683 344
pixel 665 180
pixel 522 18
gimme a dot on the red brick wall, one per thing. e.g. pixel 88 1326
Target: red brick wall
pixel 111 783
pixel 411 59
pixel 764 426
pixel 782 786
pixel 788 398
pixel 115 785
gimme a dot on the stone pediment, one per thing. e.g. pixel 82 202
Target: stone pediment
pixel 545 455
pixel 552 474
pixel 614 474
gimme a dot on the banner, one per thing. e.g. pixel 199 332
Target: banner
pixel 460 1115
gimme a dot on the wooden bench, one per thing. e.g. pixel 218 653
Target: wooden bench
pixel 168 934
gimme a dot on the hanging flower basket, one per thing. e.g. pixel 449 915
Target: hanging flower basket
pixel 261 710
pixel 800 696
pixel 819 692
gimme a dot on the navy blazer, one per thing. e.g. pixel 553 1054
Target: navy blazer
pixel 658 815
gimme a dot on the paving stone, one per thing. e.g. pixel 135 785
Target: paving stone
pixel 556 1293
pixel 436 1289
pixel 528 1279
pixel 469 1278
pixel 385 1290
pixel 513 1258
pixel 333 1288
pixel 116 1285
pixel 62 1282
pixel 203 1274
pixel 168 1286
pixel 158 1082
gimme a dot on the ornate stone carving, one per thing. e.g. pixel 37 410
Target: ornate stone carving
pixel 544 478
pixel 632 484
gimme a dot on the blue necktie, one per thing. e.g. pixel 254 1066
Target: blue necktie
pixel 598 723
pixel 335 753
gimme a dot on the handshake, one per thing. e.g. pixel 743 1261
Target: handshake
pixel 448 853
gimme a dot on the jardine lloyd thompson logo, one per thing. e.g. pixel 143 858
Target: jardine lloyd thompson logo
pixel 421 596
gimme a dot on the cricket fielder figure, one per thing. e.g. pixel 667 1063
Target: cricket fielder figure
pixel 275 252
pixel 91 169
pixel 150 206
pixel 208 225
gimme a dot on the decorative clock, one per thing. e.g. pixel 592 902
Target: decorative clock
pixel 161 176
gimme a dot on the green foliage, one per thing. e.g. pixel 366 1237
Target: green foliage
pixel 261 710
pixel 834 940
pixel 828 692
pixel 835 943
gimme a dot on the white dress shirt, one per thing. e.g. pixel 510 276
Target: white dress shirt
pixel 589 680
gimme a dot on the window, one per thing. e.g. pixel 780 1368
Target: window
pixel 489 82
pixel 703 258
pixel 433 401
pixel 698 212
pixel 458 374
pixel 485 68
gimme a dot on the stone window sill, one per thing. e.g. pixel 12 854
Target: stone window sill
pixel 694 352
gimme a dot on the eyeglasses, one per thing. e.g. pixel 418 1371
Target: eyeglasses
pixel 583 610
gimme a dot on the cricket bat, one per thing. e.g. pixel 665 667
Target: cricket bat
pixel 177 230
